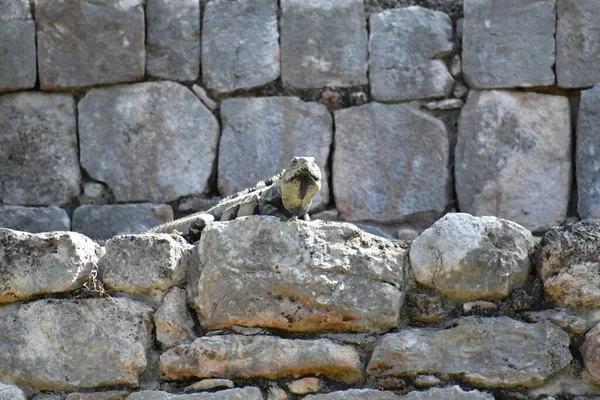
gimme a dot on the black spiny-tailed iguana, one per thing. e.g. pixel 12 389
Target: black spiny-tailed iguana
pixel 286 195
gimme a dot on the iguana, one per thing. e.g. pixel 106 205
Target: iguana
pixel 287 195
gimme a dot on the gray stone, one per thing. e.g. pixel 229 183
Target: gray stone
pixel 204 98
pixel 84 43
pixel 586 159
pixel 74 344
pixel 18 61
pixel 240 44
pixel 323 43
pixel 572 380
pixel 459 90
pixel 209 384
pixel 465 257
pixel 34 219
pixel 508 44
pixel 303 276
pixel 276 393
pixel 591 354
pixel 44 396
pixel 355 394
pixel 104 222
pixel 280 127
pixel 571 323
pixel 502 353
pixel 38 149
pixel 427 381
pixel 94 194
pixel 269 357
pixel 151 141
pixel 568 263
pixel 451 393
pixel 397 182
pixel 173 322
pixel 513 157
pixel 577 37
pixel 197 203
pixel 43 263
pixel 109 395
pixel 305 386
pixel 173 42
pixel 405 48
pixel 447 104
pixel 247 393
pixel 327 215
pixel 456 66
pixel 145 265
pixel 11 392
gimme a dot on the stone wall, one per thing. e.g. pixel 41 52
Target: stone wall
pixel 321 310
pixel 117 116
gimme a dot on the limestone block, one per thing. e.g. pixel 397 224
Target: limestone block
pixel 513 157
pixel 405 48
pixel 586 159
pixel 502 352
pixel 355 394
pixel 173 321
pixel 323 43
pixel 509 43
pixel 269 357
pixel 465 257
pixel 451 393
pixel 152 141
pixel 173 42
pixel 577 37
pixel 400 157
pixel 108 395
pixel 568 263
pixel 74 344
pixel 43 263
pixel 591 354
pixel 240 44
pixel 280 127
pixel 11 392
pixel 18 62
pixel 85 43
pixel 247 393
pixel 300 276
pixel 34 219
pixel 38 149
pixel 104 222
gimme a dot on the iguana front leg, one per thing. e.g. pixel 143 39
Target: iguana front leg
pixel 270 209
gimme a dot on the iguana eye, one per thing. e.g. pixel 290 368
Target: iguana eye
pixel 294 161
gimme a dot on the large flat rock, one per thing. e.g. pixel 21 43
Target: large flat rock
pixel 43 263
pixel 18 68
pixel 240 44
pixel 323 43
pixel 375 178
pixel 173 42
pixel 508 44
pixel 85 43
pixel 74 344
pixel 587 161
pixel 34 219
pixel 38 149
pixel 405 50
pixel 280 127
pixel 152 141
pixel 577 37
pixel 247 393
pixel 483 352
pixel 246 357
pixel 299 276
pixel 513 157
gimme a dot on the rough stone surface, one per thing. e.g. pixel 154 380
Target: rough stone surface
pixel 501 352
pixel 148 264
pixel 261 135
pixel 240 44
pixel 513 157
pixel 173 42
pixel 276 393
pixel 204 98
pixel 577 37
pixel 104 222
pixel 68 345
pixel 451 393
pixel 397 182
pixel 323 43
pixel 591 354
pixel 447 104
pixel 85 43
pixel 173 322
pixel 94 194
pixel 209 384
pixel 151 141
pixel 11 392
pixel 305 385
pixel 17 47
pixel 245 357
pixel 571 323
pixel 247 393
pixel 34 219
pixel 405 47
pixel 316 276
pixel 508 44
pixel 355 394
pixel 586 159
pixel 569 264
pixel 43 263
pixel 109 395
pixel 38 149
pixel 465 257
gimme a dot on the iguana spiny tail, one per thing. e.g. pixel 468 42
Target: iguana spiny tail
pixel 286 195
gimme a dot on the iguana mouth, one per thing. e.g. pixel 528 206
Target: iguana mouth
pixel 304 173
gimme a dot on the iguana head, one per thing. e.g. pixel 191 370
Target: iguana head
pixel 300 183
